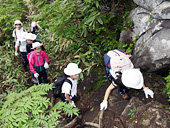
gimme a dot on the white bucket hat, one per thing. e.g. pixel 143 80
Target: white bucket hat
pixel 33 24
pixel 17 22
pixel 36 44
pixel 72 69
pixel 132 78
pixel 30 36
pixel 21 36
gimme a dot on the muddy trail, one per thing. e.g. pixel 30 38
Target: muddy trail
pixel 91 92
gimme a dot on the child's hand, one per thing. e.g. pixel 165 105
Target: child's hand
pixel 36 75
pixel 46 65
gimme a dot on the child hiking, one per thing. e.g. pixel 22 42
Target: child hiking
pixel 69 87
pixel 122 75
pixel 35 27
pixel 21 45
pixel 36 62
pixel 18 24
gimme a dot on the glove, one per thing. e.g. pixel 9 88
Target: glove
pixel 147 92
pixel 46 65
pixel 16 53
pixel 103 105
pixel 36 75
pixel 73 104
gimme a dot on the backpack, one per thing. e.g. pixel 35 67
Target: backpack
pixel 117 60
pixel 58 85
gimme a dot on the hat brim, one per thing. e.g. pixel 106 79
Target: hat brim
pixel 126 82
pixel 37 46
pixel 69 73
pixel 31 38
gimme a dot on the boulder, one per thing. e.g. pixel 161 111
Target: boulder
pixel 152 52
pixel 151 115
pixel 162 11
pixel 148 4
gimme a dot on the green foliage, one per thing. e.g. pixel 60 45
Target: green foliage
pixel 132 112
pixel 168 85
pixel 11 10
pixel 29 109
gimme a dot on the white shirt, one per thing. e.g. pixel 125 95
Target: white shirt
pixel 22 45
pixel 17 32
pixel 67 87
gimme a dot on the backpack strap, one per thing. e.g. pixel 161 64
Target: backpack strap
pixel 15 33
pixel 69 81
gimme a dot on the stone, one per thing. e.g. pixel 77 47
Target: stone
pixel 152 52
pixel 162 11
pixel 148 4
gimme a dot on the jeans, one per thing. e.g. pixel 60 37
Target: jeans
pixel 42 74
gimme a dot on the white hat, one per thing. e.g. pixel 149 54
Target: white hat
pixel 21 36
pixel 132 78
pixel 36 44
pixel 72 69
pixel 30 36
pixel 33 24
pixel 17 22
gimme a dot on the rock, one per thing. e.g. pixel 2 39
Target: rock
pixel 152 53
pixel 126 36
pixel 151 115
pixel 162 11
pixel 148 4
pixel 133 103
pixel 140 17
pixel 165 24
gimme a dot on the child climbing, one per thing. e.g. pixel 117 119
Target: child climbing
pixel 35 27
pixel 122 74
pixel 31 38
pixel 69 87
pixel 21 45
pixel 18 29
pixel 36 62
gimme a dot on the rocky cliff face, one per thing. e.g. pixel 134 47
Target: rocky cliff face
pixel 151 21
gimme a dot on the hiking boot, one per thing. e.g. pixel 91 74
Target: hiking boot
pixel 34 80
pixel 125 96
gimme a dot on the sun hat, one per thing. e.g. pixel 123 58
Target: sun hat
pixel 21 36
pixel 132 78
pixel 72 69
pixel 119 61
pixel 33 24
pixel 30 36
pixel 18 22
pixel 36 44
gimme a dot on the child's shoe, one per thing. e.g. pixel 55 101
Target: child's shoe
pixel 34 80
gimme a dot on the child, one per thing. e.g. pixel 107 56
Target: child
pixel 21 45
pixel 68 91
pixel 36 62
pixel 123 75
pixel 18 29
pixel 31 38
pixel 35 27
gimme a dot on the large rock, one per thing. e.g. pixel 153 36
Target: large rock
pixel 152 53
pixel 162 11
pixel 151 30
pixel 151 115
pixel 148 4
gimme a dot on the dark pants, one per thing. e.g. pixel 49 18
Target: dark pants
pixel 63 98
pixel 123 90
pixel 42 74
pixel 25 60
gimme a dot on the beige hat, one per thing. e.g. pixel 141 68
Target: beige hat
pixel 72 69
pixel 18 22
pixel 132 78
pixel 119 61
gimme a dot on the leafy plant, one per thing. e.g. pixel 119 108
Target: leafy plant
pixel 30 108
pixel 132 112
pixel 168 85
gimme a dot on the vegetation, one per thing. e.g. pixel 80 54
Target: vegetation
pixel 168 85
pixel 132 112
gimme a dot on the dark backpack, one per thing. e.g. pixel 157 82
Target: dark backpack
pixel 58 85
pixel 108 65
